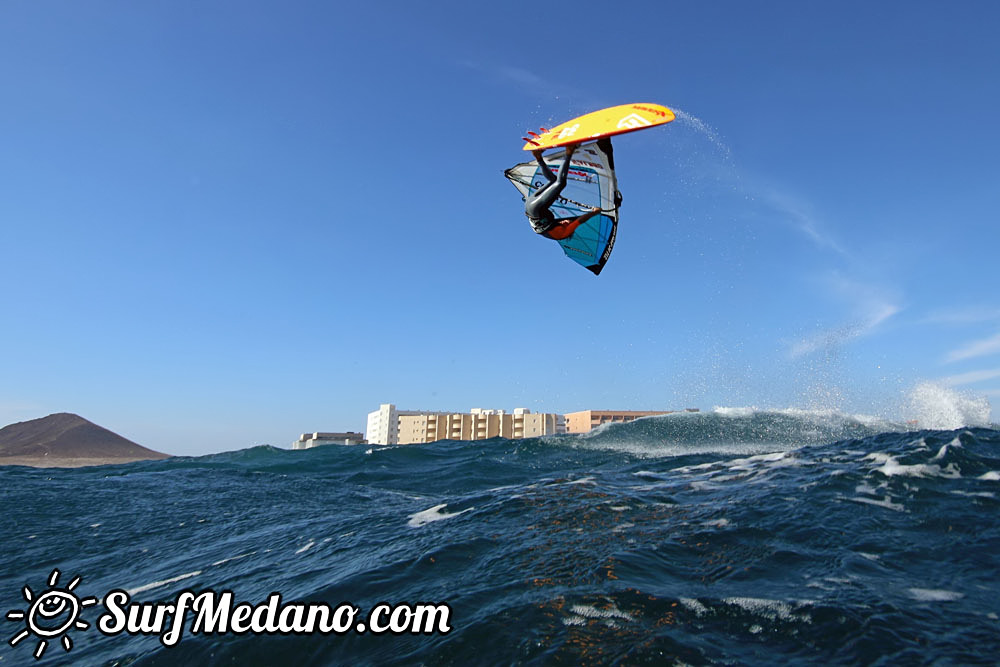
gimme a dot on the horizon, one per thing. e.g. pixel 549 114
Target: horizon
pixel 233 222
pixel 940 409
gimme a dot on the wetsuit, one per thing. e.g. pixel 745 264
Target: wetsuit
pixel 536 207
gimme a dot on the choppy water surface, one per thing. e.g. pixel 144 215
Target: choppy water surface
pixel 730 537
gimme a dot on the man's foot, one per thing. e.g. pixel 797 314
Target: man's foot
pixel 571 148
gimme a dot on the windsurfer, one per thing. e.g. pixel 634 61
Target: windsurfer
pixel 536 206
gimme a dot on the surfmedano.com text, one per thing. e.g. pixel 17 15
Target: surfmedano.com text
pixel 214 613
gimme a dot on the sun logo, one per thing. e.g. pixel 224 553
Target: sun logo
pixel 50 615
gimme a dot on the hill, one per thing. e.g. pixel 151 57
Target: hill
pixel 67 440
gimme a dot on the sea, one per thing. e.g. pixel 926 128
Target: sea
pixel 722 537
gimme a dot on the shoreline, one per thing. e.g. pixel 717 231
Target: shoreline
pixel 67 462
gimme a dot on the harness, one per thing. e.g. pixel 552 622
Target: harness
pixel 542 225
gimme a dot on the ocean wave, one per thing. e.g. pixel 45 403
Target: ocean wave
pixel 742 536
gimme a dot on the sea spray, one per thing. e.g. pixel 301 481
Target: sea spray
pixel 936 406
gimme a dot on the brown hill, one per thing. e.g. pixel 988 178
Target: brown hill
pixel 65 439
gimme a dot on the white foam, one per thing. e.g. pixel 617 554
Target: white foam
pixel 891 467
pixel 685 470
pixel 773 457
pixel 502 488
pixel 991 476
pixel 934 595
pixel 165 582
pixel 432 514
pixel 975 494
pixel 944 449
pixel 770 609
pixel 226 560
pixel 887 504
pixel 694 605
pixel 306 547
pixel 588 611
pixel 704 486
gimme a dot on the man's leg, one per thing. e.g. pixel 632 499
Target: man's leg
pixel 545 196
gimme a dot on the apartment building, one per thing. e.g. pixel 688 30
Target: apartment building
pixel 586 420
pixel 383 424
pixel 388 426
pixel 310 440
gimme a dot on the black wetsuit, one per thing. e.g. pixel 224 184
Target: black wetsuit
pixel 537 205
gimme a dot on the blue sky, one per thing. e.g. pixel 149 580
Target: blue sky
pixel 228 223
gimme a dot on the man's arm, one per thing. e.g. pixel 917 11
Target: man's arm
pixel 565 229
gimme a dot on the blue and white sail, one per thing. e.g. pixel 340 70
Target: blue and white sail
pixel 590 182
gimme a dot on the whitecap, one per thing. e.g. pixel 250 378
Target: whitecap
pixel 934 595
pixel 226 560
pixel 694 605
pixel 703 486
pixel 588 611
pixel 770 609
pixel 975 494
pixel 432 514
pixel 891 467
pixel 165 582
pixel 306 547
pixel 886 503
pixel 944 449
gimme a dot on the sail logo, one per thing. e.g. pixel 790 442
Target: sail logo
pixel 633 121
pixel 51 615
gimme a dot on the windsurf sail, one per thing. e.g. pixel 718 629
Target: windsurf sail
pixel 590 182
